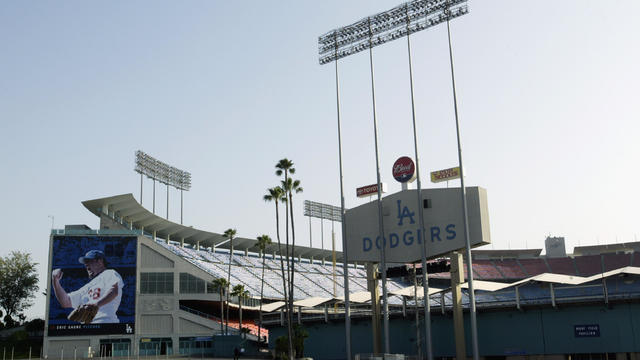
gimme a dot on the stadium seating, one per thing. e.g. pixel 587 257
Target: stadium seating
pixel 616 261
pixel 485 270
pixel 510 269
pixel 588 265
pixel 563 265
pixel 534 267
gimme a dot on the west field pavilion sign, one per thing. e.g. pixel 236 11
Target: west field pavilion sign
pixel 443 223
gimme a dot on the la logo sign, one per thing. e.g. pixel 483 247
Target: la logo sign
pixel 402 240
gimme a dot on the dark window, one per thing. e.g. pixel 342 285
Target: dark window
pixel 156 283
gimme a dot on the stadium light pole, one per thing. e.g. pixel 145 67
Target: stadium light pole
pixel 165 174
pixel 463 192
pixel 329 212
pixel 423 252
pixel 383 262
pixel 345 264
pixel 376 30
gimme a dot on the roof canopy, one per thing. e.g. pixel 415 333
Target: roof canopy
pixel 127 208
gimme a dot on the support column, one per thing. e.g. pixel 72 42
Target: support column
pixel 457 278
pixel 198 245
pixel 281 317
pixel 168 238
pixel 326 313
pixel 404 306
pixel 374 288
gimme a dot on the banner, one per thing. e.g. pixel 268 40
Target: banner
pixel 93 285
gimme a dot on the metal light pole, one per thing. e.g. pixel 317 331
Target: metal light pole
pixel 345 264
pixel 423 252
pixel 383 245
pixel 463 192
pixel 165 174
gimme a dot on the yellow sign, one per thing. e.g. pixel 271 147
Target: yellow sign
pixel 445 175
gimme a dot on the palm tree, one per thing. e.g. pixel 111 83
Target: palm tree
pixel 276 194
pixel 285 166
pixel 240 292
pixel 221 284
pixel 290 186
pixel 263 241
pixel 229 234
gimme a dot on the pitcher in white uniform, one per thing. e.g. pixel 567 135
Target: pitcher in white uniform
pixel 104 290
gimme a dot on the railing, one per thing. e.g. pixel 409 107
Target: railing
pixel 200 313
pixel 96 232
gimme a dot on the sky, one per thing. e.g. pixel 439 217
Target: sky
pixel 547 96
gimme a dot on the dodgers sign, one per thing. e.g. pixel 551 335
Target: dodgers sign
pixel 443 222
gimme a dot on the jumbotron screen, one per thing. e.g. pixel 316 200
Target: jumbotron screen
pixel 93 285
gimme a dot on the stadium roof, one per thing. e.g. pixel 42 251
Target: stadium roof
pixel 608 248
pixel 126 210
pixel 312 301
pixel 551 278
pixel 478 254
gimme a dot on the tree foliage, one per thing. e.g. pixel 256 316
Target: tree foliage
pixel 18 285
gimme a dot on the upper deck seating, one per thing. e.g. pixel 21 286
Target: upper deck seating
pixel 588 265
pixel 563 265
pixel 616 261
pixel 534 267
pixel 510 269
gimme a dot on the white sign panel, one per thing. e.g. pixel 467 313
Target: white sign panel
pixel 443 223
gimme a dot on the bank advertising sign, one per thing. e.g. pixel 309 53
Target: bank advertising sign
pixel 93 285
pixel 443 221
pixel 445 174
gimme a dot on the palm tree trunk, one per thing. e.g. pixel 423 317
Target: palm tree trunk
pixel 290 300
pixel 284 281
pixel 261 298
pixel 240 305
pixel 229 282
pixel 293 245
pixel 221 312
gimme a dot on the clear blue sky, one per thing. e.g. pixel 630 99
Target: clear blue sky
pixel 548 105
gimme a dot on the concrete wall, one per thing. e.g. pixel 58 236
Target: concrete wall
pixel 544 331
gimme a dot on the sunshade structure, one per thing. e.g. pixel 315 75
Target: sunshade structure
pixel 128 211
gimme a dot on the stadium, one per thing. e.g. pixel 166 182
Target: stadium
pixel 580 305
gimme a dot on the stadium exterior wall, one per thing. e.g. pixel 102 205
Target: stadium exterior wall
pixel 531 333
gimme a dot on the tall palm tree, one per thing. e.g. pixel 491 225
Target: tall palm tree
pixel 229 234
pixel 276 194
pixel 221 284
pixel 263 241
pixel 240 292
pixel 285 167
pixel 290 186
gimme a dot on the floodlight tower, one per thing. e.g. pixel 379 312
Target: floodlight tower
pixel 165 174
pixel 400 21
pixel 329 212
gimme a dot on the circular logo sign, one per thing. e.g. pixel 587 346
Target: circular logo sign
pixel 404 170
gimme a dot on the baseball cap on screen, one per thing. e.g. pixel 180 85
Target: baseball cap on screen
pixel 91 254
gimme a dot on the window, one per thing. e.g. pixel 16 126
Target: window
pixel 156 283
pixel 190 284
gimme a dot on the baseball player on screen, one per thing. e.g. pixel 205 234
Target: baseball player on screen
pixel 98 300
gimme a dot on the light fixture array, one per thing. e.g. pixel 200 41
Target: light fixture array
pixel 386 26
